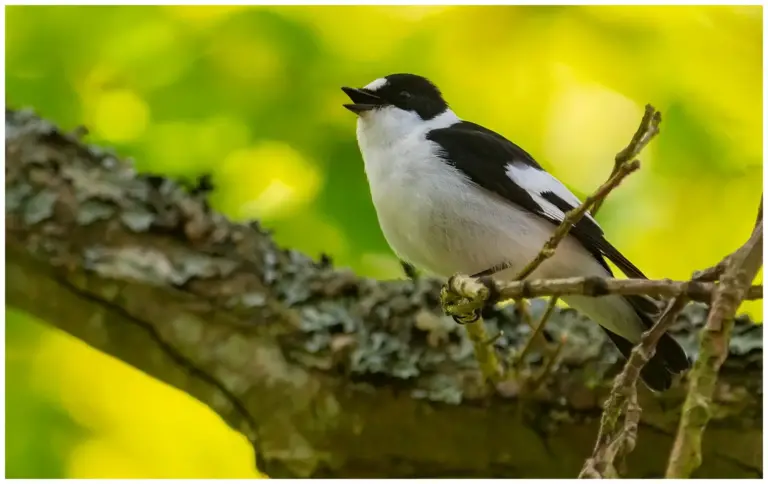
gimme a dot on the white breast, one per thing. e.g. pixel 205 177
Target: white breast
pixel 435 218
pixel 430 213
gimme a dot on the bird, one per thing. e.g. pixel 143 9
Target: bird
pixel 452 196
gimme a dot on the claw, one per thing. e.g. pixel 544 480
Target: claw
pixel 465 298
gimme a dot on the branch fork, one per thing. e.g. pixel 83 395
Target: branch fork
pixel 464 297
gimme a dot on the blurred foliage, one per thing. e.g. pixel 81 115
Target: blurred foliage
pixel 251 95
pixel 30 412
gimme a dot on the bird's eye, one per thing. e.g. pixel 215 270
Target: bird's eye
pixel 405 94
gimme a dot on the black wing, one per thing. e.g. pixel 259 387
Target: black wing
pixel 484 156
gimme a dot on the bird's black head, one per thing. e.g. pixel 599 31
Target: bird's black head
pixel 405 91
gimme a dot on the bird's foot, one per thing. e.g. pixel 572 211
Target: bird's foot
pixel 464 298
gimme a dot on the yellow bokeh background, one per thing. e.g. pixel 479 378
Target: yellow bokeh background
pixel 251 95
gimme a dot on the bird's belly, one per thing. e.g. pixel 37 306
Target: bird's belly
pixel 444 237
pixel 445 229
pixel 443 224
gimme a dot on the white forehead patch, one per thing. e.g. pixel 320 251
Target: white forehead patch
pixel 376 84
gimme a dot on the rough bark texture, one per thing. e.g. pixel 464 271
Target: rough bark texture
pixel 328 373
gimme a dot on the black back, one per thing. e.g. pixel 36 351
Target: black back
pixel 483 155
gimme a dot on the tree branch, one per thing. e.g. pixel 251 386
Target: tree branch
pixel 612 443
pixel 740 270
pixel 472 290
pixel 331 375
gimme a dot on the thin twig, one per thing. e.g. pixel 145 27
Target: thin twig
pixel 467 290
pixel 573 217
pixel 537 331
pixel 624 164
pixel 550 363
pixel 711 274
pixel 523 309
pixel 649 127
pixel 611 442
pixel 743 266
pixel 627 438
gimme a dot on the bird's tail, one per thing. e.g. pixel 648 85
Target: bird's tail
pixel 669 359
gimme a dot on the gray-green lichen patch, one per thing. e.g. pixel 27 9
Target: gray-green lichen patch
pixel 131 263
pixel 154 267
pixel 91 183
pixel 20 122
pixel 15 195
pixel 389 343
pixel 92 211
pixel 40 207
pixel 746 338
pixel 137 221
pixel 193 264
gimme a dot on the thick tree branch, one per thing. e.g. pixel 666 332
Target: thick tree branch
pixel 331 374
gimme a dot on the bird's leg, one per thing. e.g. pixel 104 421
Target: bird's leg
pixel 521 305
pixel 464 298
pixel 467 298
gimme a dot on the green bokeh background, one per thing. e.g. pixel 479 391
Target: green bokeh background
pixel 251 95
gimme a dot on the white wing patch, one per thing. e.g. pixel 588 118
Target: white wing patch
pixel 376 84
pixel 536 182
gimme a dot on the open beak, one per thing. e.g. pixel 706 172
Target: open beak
pixel 362 100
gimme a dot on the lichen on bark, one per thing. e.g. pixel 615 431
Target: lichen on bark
pixel 327 373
